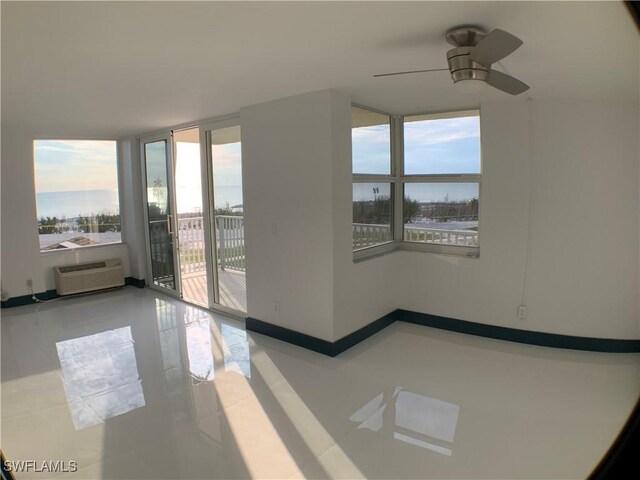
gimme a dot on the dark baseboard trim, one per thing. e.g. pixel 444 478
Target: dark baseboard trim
pixel 610 345
pixel 135 282
pixel 365 332
pixel 542 339
pixel 291 336
pixel 51 294
pixel 28 299
pixel 325 347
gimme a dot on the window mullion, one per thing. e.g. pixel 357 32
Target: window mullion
pixel 397 162
pixel 359 178
pixel 464 178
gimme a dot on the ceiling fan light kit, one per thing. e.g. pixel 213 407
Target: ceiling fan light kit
pixel 470 86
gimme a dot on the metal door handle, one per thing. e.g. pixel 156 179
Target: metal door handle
pixel 169 231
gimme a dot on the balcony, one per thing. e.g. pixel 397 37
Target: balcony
pixel 230 265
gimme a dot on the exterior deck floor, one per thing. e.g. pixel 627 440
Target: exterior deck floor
pixel 233 288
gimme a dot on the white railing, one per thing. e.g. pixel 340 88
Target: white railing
pixel 230 234
pixel 367 235
pixel 230 240
pixel 230 243
pixel 467 238
pixel 191 244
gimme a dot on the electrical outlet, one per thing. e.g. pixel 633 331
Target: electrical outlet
pixel 276 307
pixel 29 282
pixel 522 311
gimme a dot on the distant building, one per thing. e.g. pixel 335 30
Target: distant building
pixel 71 243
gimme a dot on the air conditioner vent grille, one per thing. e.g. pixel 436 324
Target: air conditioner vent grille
pixel 88 277
pixel 85 266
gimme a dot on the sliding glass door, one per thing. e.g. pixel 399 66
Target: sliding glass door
pixel 224 158
pixel 159 208
pixel 194 215
pixel 190 217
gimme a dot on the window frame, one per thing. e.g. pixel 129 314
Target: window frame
pixel 119 180
pixel 391 179
pixel 398 179
pixel 443 178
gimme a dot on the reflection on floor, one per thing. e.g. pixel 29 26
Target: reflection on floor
pixel 233 288
pixel 100 376
pixel 132 384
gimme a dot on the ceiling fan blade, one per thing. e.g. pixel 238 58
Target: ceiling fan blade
pixel 495 46
pixel 506 83
pixel 411 71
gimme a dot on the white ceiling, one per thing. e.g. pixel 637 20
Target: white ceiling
pixel 112 69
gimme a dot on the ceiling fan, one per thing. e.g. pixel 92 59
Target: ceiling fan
pixel 472 56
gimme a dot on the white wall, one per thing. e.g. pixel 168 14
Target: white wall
pixel 586 180
pixel 362 292
pixel 297 174
pixel 21 257
pixel 287 176
pixel 584 263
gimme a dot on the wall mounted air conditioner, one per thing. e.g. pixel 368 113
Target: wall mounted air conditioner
pixel 88 277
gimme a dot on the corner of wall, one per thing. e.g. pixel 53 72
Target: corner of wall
pixel 130 176
pixel 286 149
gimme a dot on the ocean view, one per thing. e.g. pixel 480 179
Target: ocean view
pixel 85 202
pixel 73 203
pixel 228 194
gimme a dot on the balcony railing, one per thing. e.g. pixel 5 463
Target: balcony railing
pixel 191 244
pixel 230 236
pixel 231 250
pixel 230 243
pixel 367 235
pixel 467 238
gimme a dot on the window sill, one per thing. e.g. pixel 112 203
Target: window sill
pixel 77 249
pixel 387 248
pixel 457 250
pixel 375 251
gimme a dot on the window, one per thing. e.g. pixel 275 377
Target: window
pixel 76 184
pixel 371 142
pixel 373 183
pixel 441 182
pixel 426 191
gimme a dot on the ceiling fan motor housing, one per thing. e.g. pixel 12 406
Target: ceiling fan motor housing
pixel 463 68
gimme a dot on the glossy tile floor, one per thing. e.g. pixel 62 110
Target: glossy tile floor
pixel 130 384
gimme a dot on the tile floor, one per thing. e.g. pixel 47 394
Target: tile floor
pixel 131 384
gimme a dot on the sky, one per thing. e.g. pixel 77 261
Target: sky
pixel 227 172
pixel 430 147
pixel 227 169
pixel 443 146
pixel 71 165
